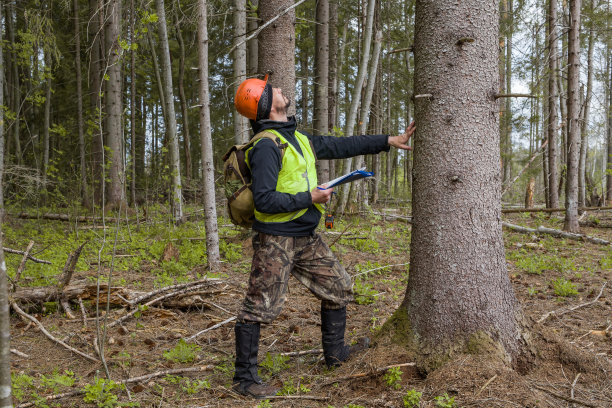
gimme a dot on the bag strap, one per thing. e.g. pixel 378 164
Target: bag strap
pixel 267 135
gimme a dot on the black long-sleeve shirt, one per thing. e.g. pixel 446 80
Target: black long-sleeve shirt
pixel 265 163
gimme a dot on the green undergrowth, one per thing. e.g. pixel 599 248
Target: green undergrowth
pixel 138 250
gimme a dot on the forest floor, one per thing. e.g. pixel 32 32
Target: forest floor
pixel 574 347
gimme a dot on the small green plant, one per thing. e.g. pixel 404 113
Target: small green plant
pixel 531 291
pixel 288 388
pixel 393 378
pixel 231 252
pixel 194 386
pixel 57 380
pixel 182 352
pixel 366 245
pixel 445 401
pixel 273 364
pixel 564 288
pixel 364 293
pixel 264 404
pixel 412 399
pixel 101 393
pixel 20 384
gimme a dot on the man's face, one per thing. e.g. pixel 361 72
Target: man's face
pixel 279 101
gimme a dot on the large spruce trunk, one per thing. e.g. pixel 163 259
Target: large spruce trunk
pixel 552 125
pixel 458 288
pixel 276 52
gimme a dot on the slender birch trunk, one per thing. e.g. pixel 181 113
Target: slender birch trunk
pixel 573 115
pixel 183 99
pixel 365 108
pixel 208 171
pixel 16 99
pixel 6 399
pixel 133 108
pixel 356 97
pixel 176 201
pixel 552 122
pixel 608 159
pixel 585 123
pixel 241 130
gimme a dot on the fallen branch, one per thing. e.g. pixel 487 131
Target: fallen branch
pixel 51 398
pixel 30 257
pixel 571 235
pixel 521 210
pixel 375 269
pixel 562 312
pixel 301 397
pixel 210 328
pixel 173 287
pixel 407 220
pixel 375 371
pixel 556 233
pixel 301 353
pixel 21 267
pixel 62 217
pixel 19 353
pixel 154 301
pixel 173 371
pixel 71 262
pixel 568 399
pixel 40 326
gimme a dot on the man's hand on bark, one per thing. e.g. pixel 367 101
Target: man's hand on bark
pixel 321 194
pixel 401 141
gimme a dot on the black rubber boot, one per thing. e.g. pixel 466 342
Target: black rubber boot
pixel 333 324
pixel 246 380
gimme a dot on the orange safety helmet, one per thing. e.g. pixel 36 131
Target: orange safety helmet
pixel 254 98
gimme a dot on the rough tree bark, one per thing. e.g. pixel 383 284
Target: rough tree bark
pixel 252 45
pixel 276 52
pixel 458 289
pixel 552 122
pixel 321 102
pixel 176 201
pixel 332 83
pixel 114 103
pixel 241 129
pixel 208 171
pixel 573 116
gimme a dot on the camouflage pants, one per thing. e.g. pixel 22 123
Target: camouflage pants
pixel 308 259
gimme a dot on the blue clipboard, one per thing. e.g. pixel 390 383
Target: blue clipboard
pixel 350 177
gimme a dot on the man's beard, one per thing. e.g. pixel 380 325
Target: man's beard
pixel 287 105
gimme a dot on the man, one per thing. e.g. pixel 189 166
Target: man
pixel 288 207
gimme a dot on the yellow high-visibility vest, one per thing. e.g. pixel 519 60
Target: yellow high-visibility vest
pixel 298 174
